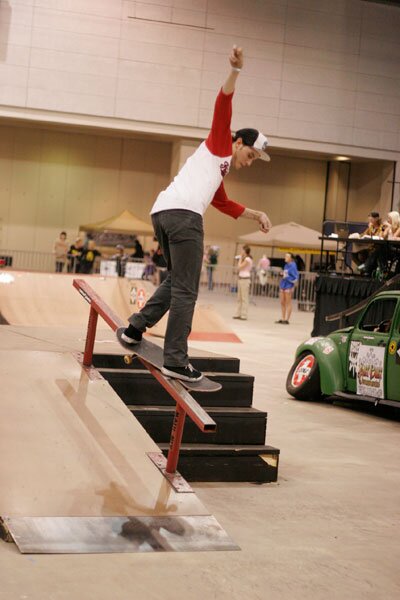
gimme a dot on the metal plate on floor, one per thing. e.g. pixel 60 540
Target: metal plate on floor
pixel 179 484
pixel 85 535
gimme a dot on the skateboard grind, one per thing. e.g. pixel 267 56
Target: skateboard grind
pixel 154 355
pixel 177 217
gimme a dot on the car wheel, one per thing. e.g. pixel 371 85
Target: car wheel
pixel 303 381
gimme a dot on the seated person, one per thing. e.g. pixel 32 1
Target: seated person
pixel 361 252
pixel 391 227
pixel 382 254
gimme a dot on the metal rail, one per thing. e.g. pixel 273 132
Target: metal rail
pixel 185 403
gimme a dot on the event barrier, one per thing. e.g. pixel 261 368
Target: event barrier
pixel 223 278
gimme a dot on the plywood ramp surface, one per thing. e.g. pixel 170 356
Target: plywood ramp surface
pixel 70 447
pixel 51 299
pixel 207 326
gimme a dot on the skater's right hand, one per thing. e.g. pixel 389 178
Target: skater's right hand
pixel 265 223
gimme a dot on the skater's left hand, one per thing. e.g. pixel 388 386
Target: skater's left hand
pixel 236 57
pixel 265 223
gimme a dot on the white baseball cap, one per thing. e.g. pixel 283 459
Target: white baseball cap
pixel 260 145
pixel 255 139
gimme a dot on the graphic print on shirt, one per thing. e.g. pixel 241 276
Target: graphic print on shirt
pixel 224 168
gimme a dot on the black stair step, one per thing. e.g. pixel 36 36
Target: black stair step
pixel 234 425
pixel 141 388
pixel 209 462
pixel 211 364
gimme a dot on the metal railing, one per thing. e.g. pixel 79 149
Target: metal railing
pixel 185 403
pixel 223 278
pixel 27 260
pixel 45 262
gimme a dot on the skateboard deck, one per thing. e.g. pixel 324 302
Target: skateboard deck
pixel 154 355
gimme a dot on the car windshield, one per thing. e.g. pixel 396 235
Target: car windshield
pixel 379 315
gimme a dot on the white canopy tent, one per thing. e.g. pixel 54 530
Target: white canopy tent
pixel 288 236
pixel 125 222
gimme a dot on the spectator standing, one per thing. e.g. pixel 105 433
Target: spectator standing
pixel 286 287
pixel 262 269
pixel 60 250
pixel 121 258
pixel 74 256
pixel 245 266
pixel 88 257
pixel 138 252
pixel 149 268
pixel 211 263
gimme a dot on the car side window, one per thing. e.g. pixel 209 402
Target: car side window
pixel 379 315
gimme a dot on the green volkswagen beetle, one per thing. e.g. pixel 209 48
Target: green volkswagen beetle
pixel 360 362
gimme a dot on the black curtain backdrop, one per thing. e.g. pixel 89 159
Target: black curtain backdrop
pixel 335 294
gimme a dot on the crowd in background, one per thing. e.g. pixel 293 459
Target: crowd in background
pixel 80 257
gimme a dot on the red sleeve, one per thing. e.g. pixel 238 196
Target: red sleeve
pixel 219 141
pixel 222 203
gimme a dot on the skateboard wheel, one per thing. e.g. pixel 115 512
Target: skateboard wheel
pixel 128 359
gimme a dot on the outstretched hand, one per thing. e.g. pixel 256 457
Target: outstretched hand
pixel 265 223
pixel 236 57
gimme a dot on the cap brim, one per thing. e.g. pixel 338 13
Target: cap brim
pixel 263 155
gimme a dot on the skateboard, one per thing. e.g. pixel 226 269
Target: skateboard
pixel 154 355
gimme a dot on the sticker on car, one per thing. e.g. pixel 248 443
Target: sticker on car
pixel 303 370
pixel 353 357
pixel 370 364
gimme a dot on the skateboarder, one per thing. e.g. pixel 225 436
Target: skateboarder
pixel 177 217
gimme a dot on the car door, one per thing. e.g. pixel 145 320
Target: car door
pixel 366 375
pixel 393 360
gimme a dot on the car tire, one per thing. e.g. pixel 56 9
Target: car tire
pixel 303 380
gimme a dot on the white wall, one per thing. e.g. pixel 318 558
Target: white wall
pixel 316 72
pixel 51 180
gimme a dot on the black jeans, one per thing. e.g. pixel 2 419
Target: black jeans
pixel 180 235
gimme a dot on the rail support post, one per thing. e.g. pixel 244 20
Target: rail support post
pixel 90 337
pixel 176 439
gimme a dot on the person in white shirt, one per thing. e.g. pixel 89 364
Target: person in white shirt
pixel 245 266
pixel 262 269
pixel 177 216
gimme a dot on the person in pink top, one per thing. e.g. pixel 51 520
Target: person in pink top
pixel 177 217
pixel 262 269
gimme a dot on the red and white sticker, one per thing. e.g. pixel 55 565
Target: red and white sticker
pixel 303 370
pixel 141 298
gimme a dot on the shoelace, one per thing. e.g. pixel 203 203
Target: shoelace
pixel 190 367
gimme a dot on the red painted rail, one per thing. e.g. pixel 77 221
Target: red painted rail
pixel 185 403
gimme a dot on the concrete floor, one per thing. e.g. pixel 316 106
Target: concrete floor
pixel 327 530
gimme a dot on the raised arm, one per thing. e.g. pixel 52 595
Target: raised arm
pixel 219 140
pixel 236 61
